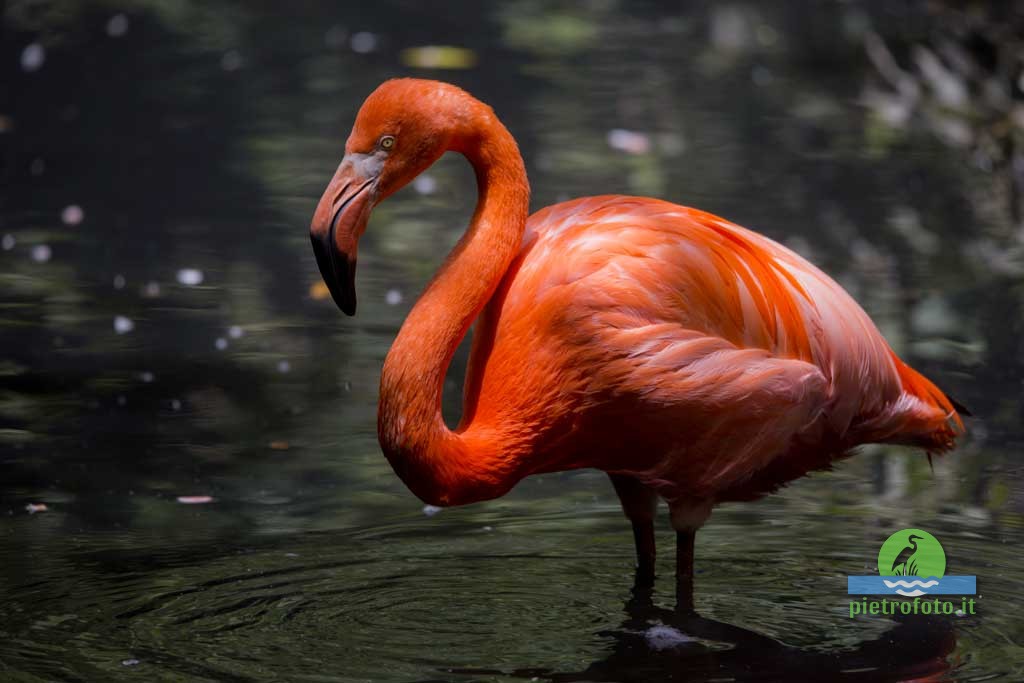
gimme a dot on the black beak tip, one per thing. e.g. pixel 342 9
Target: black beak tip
pixel 343 289
pixel 339 274
pixel 345 271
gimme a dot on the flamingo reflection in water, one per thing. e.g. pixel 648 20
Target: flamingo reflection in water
pixel 655 644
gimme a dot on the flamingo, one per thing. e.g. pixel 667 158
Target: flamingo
pixel 692 360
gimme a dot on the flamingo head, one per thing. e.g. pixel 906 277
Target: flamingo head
pixel 403 127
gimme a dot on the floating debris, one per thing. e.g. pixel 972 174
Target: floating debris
pixel 129 662
pixel 662 637
pixel 41 253
pixel 151 289
pixel 123 325
pixel 318 291
pixel 33 508
pixel 117 26
pixel 438 57
pixel 425 184
pixel 32 57
pixel 72 215
pixel 363 42
pixel 195 500
pixel 175 405
pixel 393 297
pixel 231 61
pixel 279 445
pixel 284 366
pixel 190 277
pixel 221 343
pixel 8 242
pixel 119 281
pixel 629 141
pixel 147 376
pixel 235 332
pixel 431 510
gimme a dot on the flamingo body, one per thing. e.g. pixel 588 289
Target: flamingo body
pixel 708 361
pixel 691 359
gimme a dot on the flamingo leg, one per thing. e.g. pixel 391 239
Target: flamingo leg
pixel 639 504
pixel 684 570
pixel 643 537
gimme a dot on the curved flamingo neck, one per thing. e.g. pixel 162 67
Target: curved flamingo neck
pixel 441 466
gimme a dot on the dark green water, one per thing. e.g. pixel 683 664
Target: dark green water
pixel 158 171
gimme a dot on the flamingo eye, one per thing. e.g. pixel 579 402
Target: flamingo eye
pixel 387 142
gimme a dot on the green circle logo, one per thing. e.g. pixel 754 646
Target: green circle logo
pixel 912 552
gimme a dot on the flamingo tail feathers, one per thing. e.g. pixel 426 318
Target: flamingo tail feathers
pixel 935 422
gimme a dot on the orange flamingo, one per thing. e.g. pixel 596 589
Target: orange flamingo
pixel 689 358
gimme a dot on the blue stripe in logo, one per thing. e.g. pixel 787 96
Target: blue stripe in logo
pixel 911 586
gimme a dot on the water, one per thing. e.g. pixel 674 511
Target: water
pixel 199 422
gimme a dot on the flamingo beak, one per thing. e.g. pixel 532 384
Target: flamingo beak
pixel 340 220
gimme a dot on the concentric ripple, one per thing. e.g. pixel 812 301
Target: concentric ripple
pixel 400 603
